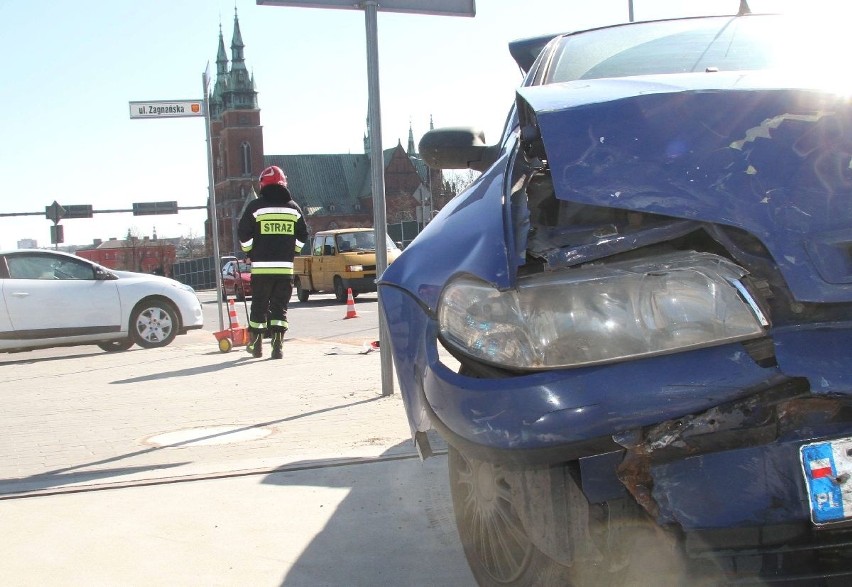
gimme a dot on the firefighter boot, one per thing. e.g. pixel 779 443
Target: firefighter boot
pixel 277 339
pixel 255 345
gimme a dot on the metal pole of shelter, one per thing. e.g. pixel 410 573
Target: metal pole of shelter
pixel 214 220
pixel 377 163
pixel 377 167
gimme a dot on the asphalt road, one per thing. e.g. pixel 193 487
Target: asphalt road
pixel 321 318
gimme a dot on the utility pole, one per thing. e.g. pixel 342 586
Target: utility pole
pixel 370 8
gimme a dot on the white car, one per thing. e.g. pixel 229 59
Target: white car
pixel 56 299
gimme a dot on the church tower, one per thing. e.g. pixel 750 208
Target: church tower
pixel 236 140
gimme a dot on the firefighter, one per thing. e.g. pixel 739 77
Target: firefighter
pixel 272 231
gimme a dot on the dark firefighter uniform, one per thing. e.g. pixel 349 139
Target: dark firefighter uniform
pixel 272 231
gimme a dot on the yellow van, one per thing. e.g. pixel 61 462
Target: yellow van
pixel 335 260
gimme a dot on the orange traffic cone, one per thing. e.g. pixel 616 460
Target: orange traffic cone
pixel 350 305
pixel 232 312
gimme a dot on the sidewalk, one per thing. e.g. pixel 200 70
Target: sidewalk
pixel 188 410
pixel 187 466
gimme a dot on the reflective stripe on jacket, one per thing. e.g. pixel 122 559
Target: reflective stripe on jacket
pixel 271 233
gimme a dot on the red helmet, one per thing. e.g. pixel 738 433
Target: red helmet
pixel 272 175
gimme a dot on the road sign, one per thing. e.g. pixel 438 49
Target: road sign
pixel 78 211
pixel 435 7
pixel 54 212
pixel 150 208
pixel 167 109
pixel 57 234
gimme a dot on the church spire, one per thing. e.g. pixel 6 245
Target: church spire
pixel 221 85
pixel 235 88
pixel 237 46
pixel 221 56
pixel 367 137
pixel 411 150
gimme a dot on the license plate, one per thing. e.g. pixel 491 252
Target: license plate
pixel 827 467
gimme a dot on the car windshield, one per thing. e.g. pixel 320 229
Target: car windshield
pixel 694 45
pixel 360 241
pixel 244 267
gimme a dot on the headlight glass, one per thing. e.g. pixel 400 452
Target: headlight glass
pixel 601 313
pixel 183 286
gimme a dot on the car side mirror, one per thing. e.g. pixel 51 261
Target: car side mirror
pixel 102 274
pixel 458 147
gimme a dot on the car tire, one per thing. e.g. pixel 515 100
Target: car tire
pixel 496 545
pixel 153 323
pixel 615 543
pixel 339 290
pixel 301 294
pixel 115 346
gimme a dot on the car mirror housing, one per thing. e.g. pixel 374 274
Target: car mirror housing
pixel 457 148
pixel 102 274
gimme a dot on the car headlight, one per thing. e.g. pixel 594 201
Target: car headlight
pixel 184 286
pixel 601 313
pixel 354 268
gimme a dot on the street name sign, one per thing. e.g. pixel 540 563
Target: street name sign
pixel 150 208
pixel 167 109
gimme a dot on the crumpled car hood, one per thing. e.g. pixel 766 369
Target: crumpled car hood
pixel 746 150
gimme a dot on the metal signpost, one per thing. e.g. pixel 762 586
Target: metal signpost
pixel 370 8
pixel 184 109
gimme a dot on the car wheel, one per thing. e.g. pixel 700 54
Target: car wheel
pixel 497 547
pixel 114 346
pixel 153 323
pixel 613 543
pixel 302 294
pixel 339 290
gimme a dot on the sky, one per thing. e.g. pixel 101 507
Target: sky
pixel 71 68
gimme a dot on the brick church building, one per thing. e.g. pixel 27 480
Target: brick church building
pixel 334 190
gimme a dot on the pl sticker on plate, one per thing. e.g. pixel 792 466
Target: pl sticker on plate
pixel 828 475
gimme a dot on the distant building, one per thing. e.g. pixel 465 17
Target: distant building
pixel 27 243
pixel 143 255
pixel 334 190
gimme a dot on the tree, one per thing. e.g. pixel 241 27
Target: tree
pixel 191 246
pixel 456 181
pixel 131 258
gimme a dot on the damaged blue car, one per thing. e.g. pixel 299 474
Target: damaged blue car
pixel 634 329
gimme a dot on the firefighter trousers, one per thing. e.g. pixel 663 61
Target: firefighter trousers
pixel 270 297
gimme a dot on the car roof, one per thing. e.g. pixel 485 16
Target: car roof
pixel 341 231
pixel 40 251
pixel 526 51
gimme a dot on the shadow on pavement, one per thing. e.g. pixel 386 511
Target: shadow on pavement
pixel 92 352
pixel 187 372
pixel 37 484
pixel 395 525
